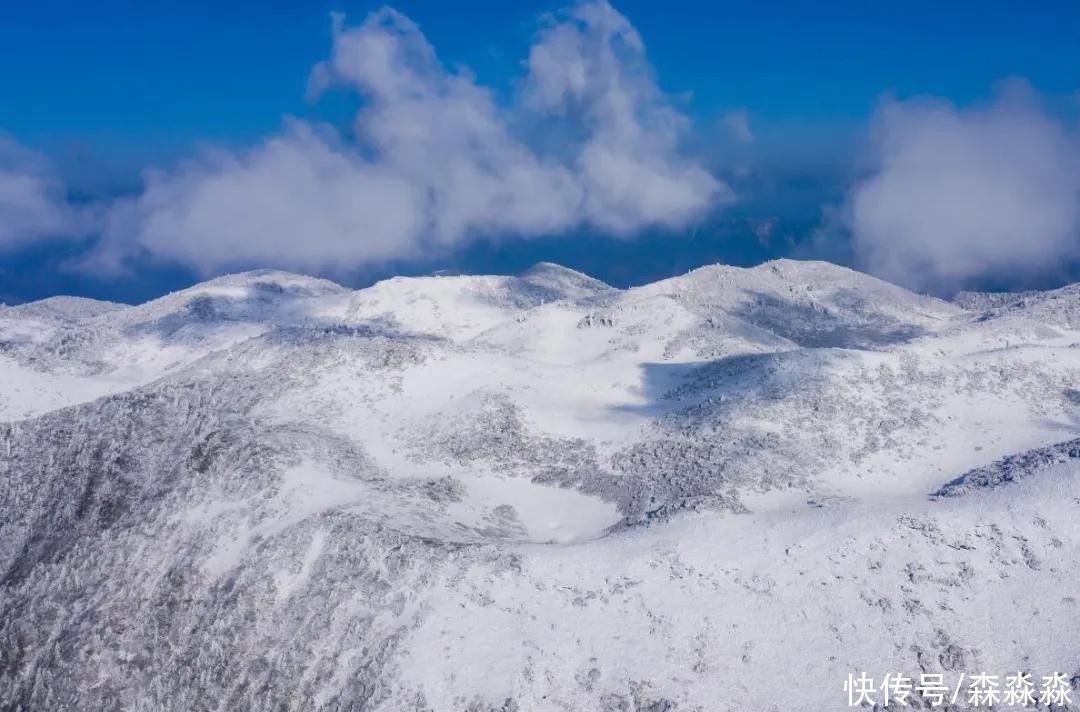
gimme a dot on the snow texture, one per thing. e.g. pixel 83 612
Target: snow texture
pixel 722 491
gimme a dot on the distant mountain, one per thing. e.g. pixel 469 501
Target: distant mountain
pixel 534 492
pixel 1057 306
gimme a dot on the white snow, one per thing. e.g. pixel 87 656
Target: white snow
pixel 521 424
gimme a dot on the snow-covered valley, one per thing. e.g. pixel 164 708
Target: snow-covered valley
pixel 727 490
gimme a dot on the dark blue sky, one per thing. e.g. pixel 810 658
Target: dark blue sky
pixel 106 89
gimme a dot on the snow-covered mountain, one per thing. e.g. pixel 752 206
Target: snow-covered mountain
pixel 722 491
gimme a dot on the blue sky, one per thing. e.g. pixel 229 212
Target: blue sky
pixel 104 90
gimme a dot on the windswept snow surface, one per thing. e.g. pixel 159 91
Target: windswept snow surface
pixel 728 490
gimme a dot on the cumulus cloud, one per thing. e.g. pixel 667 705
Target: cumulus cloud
pixel 434 158
pixel 959 194
pixel 590 70
pixel 33 202
pixel 292 201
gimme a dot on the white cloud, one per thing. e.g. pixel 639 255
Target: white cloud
pixel 290 201
pixel 33 203
pixel 957 194
pixel 434 160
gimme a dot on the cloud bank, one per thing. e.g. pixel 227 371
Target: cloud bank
pixel 33 202
pixel 434 159
pixel 956 194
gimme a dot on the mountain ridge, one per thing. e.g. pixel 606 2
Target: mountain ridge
pixel 471 492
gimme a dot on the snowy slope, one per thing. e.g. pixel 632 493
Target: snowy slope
pixel 533 492
pixel 1058 306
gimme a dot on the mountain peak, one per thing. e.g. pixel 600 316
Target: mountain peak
pixel 64 308
pixel 271 280
pixel 563 281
